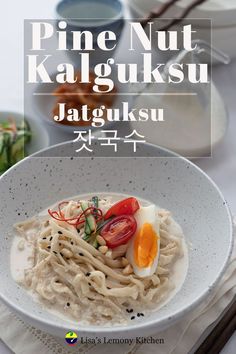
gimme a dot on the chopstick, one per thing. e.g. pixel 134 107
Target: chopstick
pixel 220 335
pixel 156 13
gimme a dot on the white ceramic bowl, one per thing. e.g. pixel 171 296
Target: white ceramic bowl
pixel 40 138
pixel 170 181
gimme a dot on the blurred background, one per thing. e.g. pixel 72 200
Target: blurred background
pixel 221 166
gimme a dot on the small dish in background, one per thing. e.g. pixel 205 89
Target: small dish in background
pixel 95 17
pixel 90 13
pixel 191 132
pixel 45 100
pixel 25 136
pixel 47 103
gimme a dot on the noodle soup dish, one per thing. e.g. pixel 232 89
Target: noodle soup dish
pixel 109 247
pixel 100 259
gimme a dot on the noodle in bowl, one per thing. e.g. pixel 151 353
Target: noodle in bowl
pixel 73 278
pixel 191 218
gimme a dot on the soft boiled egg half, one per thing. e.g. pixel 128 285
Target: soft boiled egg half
pixel 144 247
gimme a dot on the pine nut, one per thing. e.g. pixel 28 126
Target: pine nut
pixel 101 240
pixel 21 245
pixel 124 261
pixel 44 244
pixel 119 251
pixel 103 249
pixel 128 270
pixel 66 253
pixel 109 254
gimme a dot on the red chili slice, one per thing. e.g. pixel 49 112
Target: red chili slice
pixel 126 206
pixel 75 220
pixel 119 230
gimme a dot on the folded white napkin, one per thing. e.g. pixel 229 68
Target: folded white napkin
pixel 179 338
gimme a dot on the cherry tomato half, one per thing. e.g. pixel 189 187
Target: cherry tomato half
pixel 119 230
pixel 126 206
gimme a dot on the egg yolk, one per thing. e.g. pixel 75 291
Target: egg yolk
pixel 145 246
